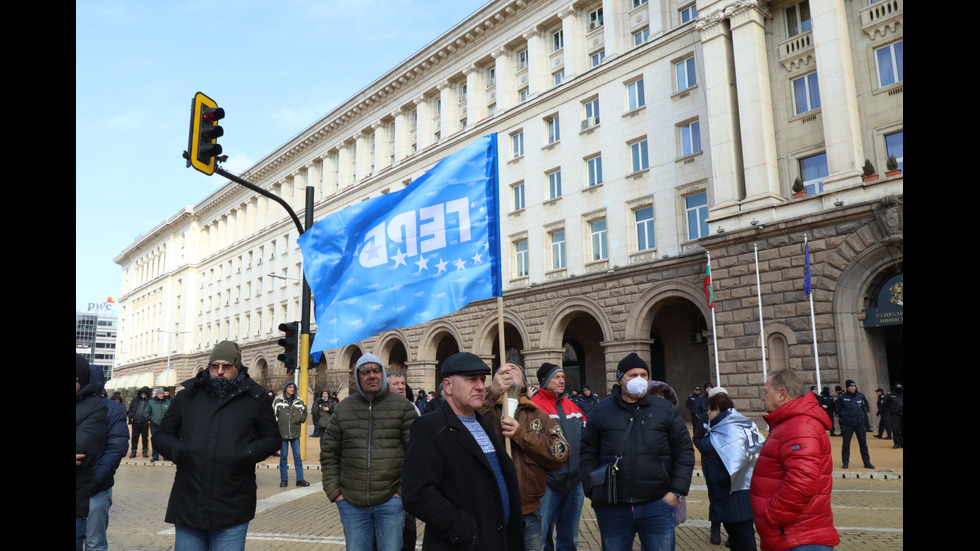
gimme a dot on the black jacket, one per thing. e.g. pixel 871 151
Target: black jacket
pixel 91 425
pixel 215 447
pixel 851 408
pixel 659 457
pixel 448 483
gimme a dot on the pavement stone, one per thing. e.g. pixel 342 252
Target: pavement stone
pixel 868 508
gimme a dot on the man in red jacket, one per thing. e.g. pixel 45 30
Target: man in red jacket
pixel 792 480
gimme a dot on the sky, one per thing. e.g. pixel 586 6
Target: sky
pixel 275 68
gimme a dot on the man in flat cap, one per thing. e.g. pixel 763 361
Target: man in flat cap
pixel 457 477
pixel 215 431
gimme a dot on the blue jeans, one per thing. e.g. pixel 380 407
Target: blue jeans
pixel 532 530
pixel 297 462
pixel 653 521
pixel 98 521
pixel 79 533
pixel 363 525
pixel 231 538
pixel 563 510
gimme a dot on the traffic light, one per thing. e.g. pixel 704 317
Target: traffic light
pixel 202 143
pixel 289 344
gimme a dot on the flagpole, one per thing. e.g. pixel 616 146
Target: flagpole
pixel 503 360
pixel 762 330
pixel 808 290
pixel 710 295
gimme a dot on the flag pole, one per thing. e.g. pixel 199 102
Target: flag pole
pixel 503 360
pixel 808 291
pixel 709 292
pixel 762 330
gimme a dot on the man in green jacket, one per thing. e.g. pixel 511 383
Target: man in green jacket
pixel 156 407
pixel 361 457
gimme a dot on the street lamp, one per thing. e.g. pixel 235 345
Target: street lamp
pixel 170 345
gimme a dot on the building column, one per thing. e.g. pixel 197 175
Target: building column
pixel 362 156
pixel 315 171
pixel 475 87
pixel 345 166
pixel 382 146
pixel 450 108
pixel 723 116
pixel 424 133
pixel 838 94
pixel 573 30
pixel 504 70
pixel 537 61
pixel 330 167
pixel 299 190
pixel 759 160
pixel 614 26
pixel 403 142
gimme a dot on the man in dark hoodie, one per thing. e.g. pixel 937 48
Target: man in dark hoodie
pixel 290 414
pixel 105 469
pixel 91 425
pixel 139 420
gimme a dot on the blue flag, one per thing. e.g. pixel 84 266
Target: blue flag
pixel 807 289
pixel 410 256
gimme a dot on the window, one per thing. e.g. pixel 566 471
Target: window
pixel 554 184
pixel 696 207
pixel 597 231
pixel 686 72
pixel 644 228
pixel 689 13
pixel 462 93
pixel 522 95
pixel 520 259
pixel 813 170
pixel 806 94
pixel 637 3
pixel 634 95
pixel 522 60
pixel 518 190
pixel 598 57
pixel 641 36
pixel 595 19
pixel 557 40
pixel 894 147
pixel 595 170
pixel 591 108
pixel 638 156
pixel 690 138
pixel 558 77
pixel 798 19
pixel 889 63
pixel 554 130
pixel 491 76
pixel 518 141
pixel 557 249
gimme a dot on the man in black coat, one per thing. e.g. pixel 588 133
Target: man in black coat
pixel 215 431
pixel 852 410
pixel 457 477
pixel 91 425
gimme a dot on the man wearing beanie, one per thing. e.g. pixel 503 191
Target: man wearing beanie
pixel 561 505
pixel 215 431
pixel 647 440
pixel 852 410
pixel 537 443
pixel 290 414
pixel 156 408
pixel 361 455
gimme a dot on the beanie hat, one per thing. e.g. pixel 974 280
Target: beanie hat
pixel 227 351
pixel 82 372
pixel 546 372
pixel 630 362
pixel 717 390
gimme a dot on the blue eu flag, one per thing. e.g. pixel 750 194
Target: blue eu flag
pixel 410 256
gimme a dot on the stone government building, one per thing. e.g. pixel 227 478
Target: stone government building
pixel 710 112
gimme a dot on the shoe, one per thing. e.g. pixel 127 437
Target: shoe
pixel 844 466
pixel 283 483
pixel 302 483
pixel 896 446
pixel 868 466
pixel 715 533
pixel 275 454
pixel 888 438
pixel 832 433
pixel 878 436
pixel 133 454
pixel 145 455
pixel 153 460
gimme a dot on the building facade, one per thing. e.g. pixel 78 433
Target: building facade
pixel 635 138
pixel 95 339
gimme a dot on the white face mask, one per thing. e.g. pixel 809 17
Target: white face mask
pixel 637 387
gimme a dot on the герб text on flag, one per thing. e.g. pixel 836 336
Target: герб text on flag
pixel 410 256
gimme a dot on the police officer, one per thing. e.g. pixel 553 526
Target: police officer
pixel 852 410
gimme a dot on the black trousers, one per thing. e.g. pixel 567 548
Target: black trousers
pixel 144 431
pixel 862 437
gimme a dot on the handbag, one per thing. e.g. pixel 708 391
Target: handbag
pixel 602 481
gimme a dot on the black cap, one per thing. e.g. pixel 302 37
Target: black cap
pixel 849 383
pixel 545 372
pixel 464 363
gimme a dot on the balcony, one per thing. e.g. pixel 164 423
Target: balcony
pixel 797 52
pixel 881 18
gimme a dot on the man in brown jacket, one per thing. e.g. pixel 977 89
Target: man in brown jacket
pixel 538 445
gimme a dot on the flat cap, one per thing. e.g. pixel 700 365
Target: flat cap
pixel 464 363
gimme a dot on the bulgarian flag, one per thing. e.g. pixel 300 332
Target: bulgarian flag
pixel 709 291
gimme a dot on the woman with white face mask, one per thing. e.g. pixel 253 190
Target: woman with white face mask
pixel 647 441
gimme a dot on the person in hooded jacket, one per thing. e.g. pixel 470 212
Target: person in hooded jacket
pixel 117 438
pixel 91 427
pixel 361 455
pixel 156 408
pixel 140 422
pixel 793 476
pixel 215 431
pixel 290 414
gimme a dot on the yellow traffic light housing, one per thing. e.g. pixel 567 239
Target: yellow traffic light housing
pixel 202 143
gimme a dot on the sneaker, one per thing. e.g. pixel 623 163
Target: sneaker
pixel 302 483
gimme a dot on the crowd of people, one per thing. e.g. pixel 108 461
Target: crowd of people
pixel 488 461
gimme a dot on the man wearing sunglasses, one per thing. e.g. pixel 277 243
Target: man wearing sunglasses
pixel 215 431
